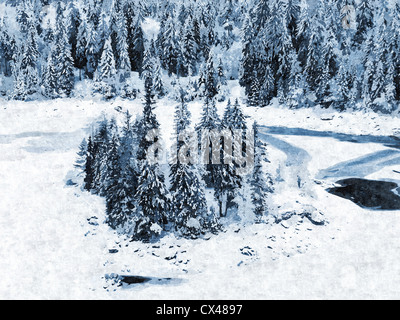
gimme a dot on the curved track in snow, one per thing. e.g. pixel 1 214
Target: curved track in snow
pixel 359 167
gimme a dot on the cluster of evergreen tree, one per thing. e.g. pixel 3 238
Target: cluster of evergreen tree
pixel 322 52
pixel 116 164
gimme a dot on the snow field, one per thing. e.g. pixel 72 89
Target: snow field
pixel 50 251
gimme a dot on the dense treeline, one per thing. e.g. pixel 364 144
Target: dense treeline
pixel 116 164
pixel 104 41
pixel 340 53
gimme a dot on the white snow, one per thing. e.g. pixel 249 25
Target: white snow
pixel 150 28
pixel 50 251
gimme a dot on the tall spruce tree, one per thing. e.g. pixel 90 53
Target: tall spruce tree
pixel 124 63
pixel 210 84
pixel 63 59
pixel 106 69
pixel 260 185
pixel 89 166
pixel 82 154
pixel 50 81
pixel 187 191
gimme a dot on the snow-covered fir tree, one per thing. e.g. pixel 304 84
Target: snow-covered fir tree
pixel 158 83
pixel 152 197
pixel 260 184
pixel 210 82
pixel 124 63
pixel 50 82
pixel 63 59
pixel 89 166
pixel 80 162
pixel 189 207
pixel 106 69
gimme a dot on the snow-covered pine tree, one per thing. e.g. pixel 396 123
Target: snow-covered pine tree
pixel 142 9
pixel 344 83
pixel 148 65
pixel 136 45
pixel 103 32
pixel 128 148
pixel 152 198
pixel 209 117
pixel 394 51
pixel 196 35
pixel 365 18
pixel 115 217
pixel 148 121
pixel 48 33
pixel 201 81
pixel 227 114
pixel 279 48
pixel 181 126
pixel 189 49
pixel 330 49
pixel 210 85
pixel 380 54
pixel 187 191
pixel 212 37
pixel 152 194
pixel 267 88
pixel 20 89
pixel 369 67
pixel 170 50
pixel 209 123
pixel 23 16
pixel 296 82
pixel 119 191
pixel 253 99
pixel 50 81
pixel 73 22
pixel 249 57
pixel 226 184
pixel 124 63
pixel 158 83
pixel 303 32
pixel 63 59
pixel 292 19
pixel 189 202
pixel 260 185
pixel 89 166
pixel 182 13
pixel 101 142
pixel 221 77
pixel 237 120
pixel 121 205
pixel 80 163
pixel 92 55
pixel 81 44
pixel 231 180
pixel 7 48
pixel 28 76
pixel 106 69
pixel 316 33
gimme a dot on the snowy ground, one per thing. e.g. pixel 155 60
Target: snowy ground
pixel 52 249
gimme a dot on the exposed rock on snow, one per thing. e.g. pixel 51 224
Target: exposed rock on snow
pixel 315 216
